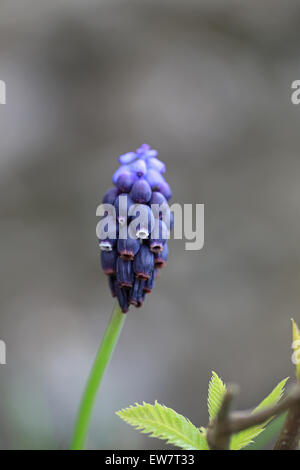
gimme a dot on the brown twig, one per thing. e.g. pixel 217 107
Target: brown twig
pixel 225 424
pixel 290 434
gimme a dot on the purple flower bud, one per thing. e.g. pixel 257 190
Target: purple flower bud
pixel 120 171
pixel 128 248
pixel 145 151
pixel 137 291
pixel 157 198
pixel 108 262
pixel 165 189
pixel 122 205
pixel 159 235
pixel 160 258
pixel 123 297
pixel 141 191
pixel 143 148
pixel 142 221
pixel 125 181
pixel 138 167
pixel 127 158
pixel 110 196
pixel 162 211
pixel 107 231
pixel 143 263
pixel 155 179
pixel 141 300
pixel 156 164
pixel 150 154
pixel 124 272
pixel 149 284
pixel 112 285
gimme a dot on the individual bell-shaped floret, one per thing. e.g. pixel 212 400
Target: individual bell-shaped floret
pixel 138 167
pixel 149 284
pixel 125 181
pixel 160 210
pixel 137 291
pixel 120 171
pixel 122 206
pixel 157 198
pixel 142 221
pixel 107 231
pixel 124 272
pixel 165 189
pixel 128 248
pixel 143 263
pixel 123 297
pixel 158 183
pixel 159 235
pixel 154 178
pixel 127 158
pixel 141 191
pixel 145 151
pixel 161 257
pixel 108 262
pixel 110 196
pixel 156 164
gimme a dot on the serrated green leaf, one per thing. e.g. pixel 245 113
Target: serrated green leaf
pixel 216 392
pixel 244 438
pixel 164 423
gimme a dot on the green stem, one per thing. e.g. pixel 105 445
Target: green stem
pixel 104 354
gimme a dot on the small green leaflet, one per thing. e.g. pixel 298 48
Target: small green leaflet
pixel 216 392
pixel 164 423
pixel 244 438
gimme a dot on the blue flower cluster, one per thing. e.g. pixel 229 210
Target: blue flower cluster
pixel 133 262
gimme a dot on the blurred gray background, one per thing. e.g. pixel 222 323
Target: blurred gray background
pixel 207 83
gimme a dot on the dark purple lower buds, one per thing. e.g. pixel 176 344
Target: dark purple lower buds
pixel 124 272
pixel 137 292
pixel 112 285
pixel 108 262
pixel 149 284
pixel 123 297
pixel 143 263
pixel 128 248
pixel 159 236
pixel 160 258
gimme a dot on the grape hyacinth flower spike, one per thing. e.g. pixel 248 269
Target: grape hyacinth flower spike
pixel 132 237
pixel 140 184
